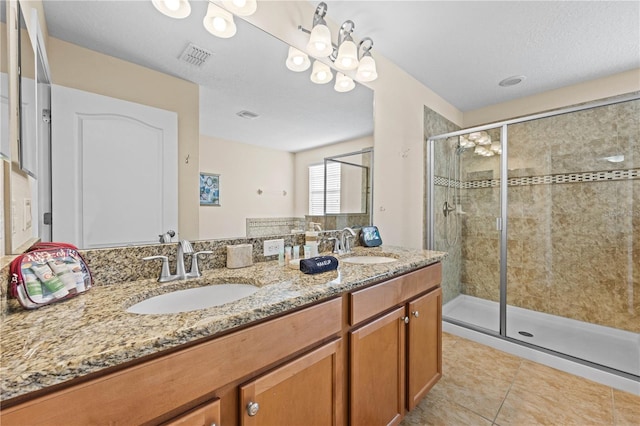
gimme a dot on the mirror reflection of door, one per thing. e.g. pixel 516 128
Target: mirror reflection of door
pixel 114 170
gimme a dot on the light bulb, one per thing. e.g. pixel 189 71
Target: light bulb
pixel 321 73
pixel 297 61
pixel 241 7
pixel 367 69
pixel 320 41
pixel 172 5
pixel 219 24
pixel 347 56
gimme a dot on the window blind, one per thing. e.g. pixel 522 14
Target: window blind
pixel 316 188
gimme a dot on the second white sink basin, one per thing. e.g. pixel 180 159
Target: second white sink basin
pixel 368 260
pixel 193 299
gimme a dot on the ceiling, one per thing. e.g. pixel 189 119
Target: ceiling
pixel 460 50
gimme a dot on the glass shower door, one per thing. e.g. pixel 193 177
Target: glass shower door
pixel 466 202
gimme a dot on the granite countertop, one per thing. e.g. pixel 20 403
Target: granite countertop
pixel 93 331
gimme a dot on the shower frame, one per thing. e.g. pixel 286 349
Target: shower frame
pixel 502 221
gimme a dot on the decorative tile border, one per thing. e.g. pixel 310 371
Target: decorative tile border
pixel 613 175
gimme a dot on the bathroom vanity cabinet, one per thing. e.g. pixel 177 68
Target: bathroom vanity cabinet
pixel 361 358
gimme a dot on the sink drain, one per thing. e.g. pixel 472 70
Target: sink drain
pixel 525 333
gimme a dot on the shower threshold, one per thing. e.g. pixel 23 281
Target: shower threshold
pixel 606 346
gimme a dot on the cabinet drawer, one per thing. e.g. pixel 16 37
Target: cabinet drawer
pixel 150 390
pixel 373 300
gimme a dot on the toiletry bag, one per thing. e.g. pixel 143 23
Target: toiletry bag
pixel 48 273
pixel 370 236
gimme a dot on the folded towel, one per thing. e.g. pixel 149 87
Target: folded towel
pixel 317 265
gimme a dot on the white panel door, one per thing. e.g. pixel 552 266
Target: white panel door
pixel 114 170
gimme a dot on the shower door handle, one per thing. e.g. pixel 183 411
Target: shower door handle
pixel 498 224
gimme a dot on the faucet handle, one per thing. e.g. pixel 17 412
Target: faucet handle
pixel 195 270
pixel 337 246
pixel 164 272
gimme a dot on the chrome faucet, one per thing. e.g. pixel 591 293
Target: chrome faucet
pixel 345 239
pixel 184 247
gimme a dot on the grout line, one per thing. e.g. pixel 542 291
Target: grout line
pixel 508 391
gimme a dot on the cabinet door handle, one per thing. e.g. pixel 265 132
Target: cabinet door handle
pixel 415 314
pixel 252 408
pixel 405 319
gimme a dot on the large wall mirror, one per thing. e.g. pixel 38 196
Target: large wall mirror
pixel 257 158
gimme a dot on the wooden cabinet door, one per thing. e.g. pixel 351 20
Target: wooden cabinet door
pixel 377 371
pixel 424 358
pixel 205 415
pixel 306 391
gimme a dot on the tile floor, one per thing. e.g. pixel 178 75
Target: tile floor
pixel 484 386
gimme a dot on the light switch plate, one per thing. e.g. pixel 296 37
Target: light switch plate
pixel 273 247
pixel 26 223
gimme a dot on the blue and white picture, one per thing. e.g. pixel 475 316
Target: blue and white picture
pixel 209 189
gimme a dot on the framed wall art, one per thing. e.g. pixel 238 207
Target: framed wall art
pixel 209 189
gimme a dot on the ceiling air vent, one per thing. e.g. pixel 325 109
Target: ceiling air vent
pixel 247 114
pixel 195 55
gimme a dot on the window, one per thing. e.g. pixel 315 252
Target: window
pixel 316 189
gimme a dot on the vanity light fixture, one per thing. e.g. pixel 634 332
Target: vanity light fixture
pixel 482 144
pixel 173 8
pixel 241 7
pixel 297 61
pixel 343 83
pixel 347 58
pixel 321 73
pixel 346 55
pixel 367 66
pixel 320 37
pixel 219 22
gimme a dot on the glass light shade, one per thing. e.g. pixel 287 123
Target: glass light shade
pixel 320 41
pixel 484 140
pixel 219 22
pixel 241 7
pixel 367 69
pixel 480 150
pixel 321 73
pixel 173 8
pixel 474 136
pixel 343 83
pixel 496 147
pixel 466 143
pixel 297 61
pixel 347 56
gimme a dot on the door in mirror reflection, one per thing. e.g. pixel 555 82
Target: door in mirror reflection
pixel 114 170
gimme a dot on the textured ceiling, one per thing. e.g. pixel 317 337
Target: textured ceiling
pixel 462 49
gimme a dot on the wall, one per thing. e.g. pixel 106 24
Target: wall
pixel 614 85
pixel 574 218
pixel 304 159
pixel 80 68
pixel 269 170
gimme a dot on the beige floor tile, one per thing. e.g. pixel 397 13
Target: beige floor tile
pixel 543 395
pixel 528 408
pixel 474 357
pixel 626 408
pixel 436 409
pixel 546 381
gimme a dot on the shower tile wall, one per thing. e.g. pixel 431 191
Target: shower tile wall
pixel 435 124
pixel 574 225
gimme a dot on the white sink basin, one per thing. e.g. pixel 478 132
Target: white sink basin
pixel 193 299
pixel 368 260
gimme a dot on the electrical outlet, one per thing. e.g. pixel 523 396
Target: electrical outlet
pixel 273 247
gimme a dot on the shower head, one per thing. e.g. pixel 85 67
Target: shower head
pixel 460 149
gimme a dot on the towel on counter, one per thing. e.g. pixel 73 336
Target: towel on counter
pixel 318 265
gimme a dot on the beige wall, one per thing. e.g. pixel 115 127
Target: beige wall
pixel 617 84
pixel 243 170
pixel 79 68
pixel 304 159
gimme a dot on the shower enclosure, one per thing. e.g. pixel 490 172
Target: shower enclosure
pixel 541 219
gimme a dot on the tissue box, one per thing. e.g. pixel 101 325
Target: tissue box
pixel 239 256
